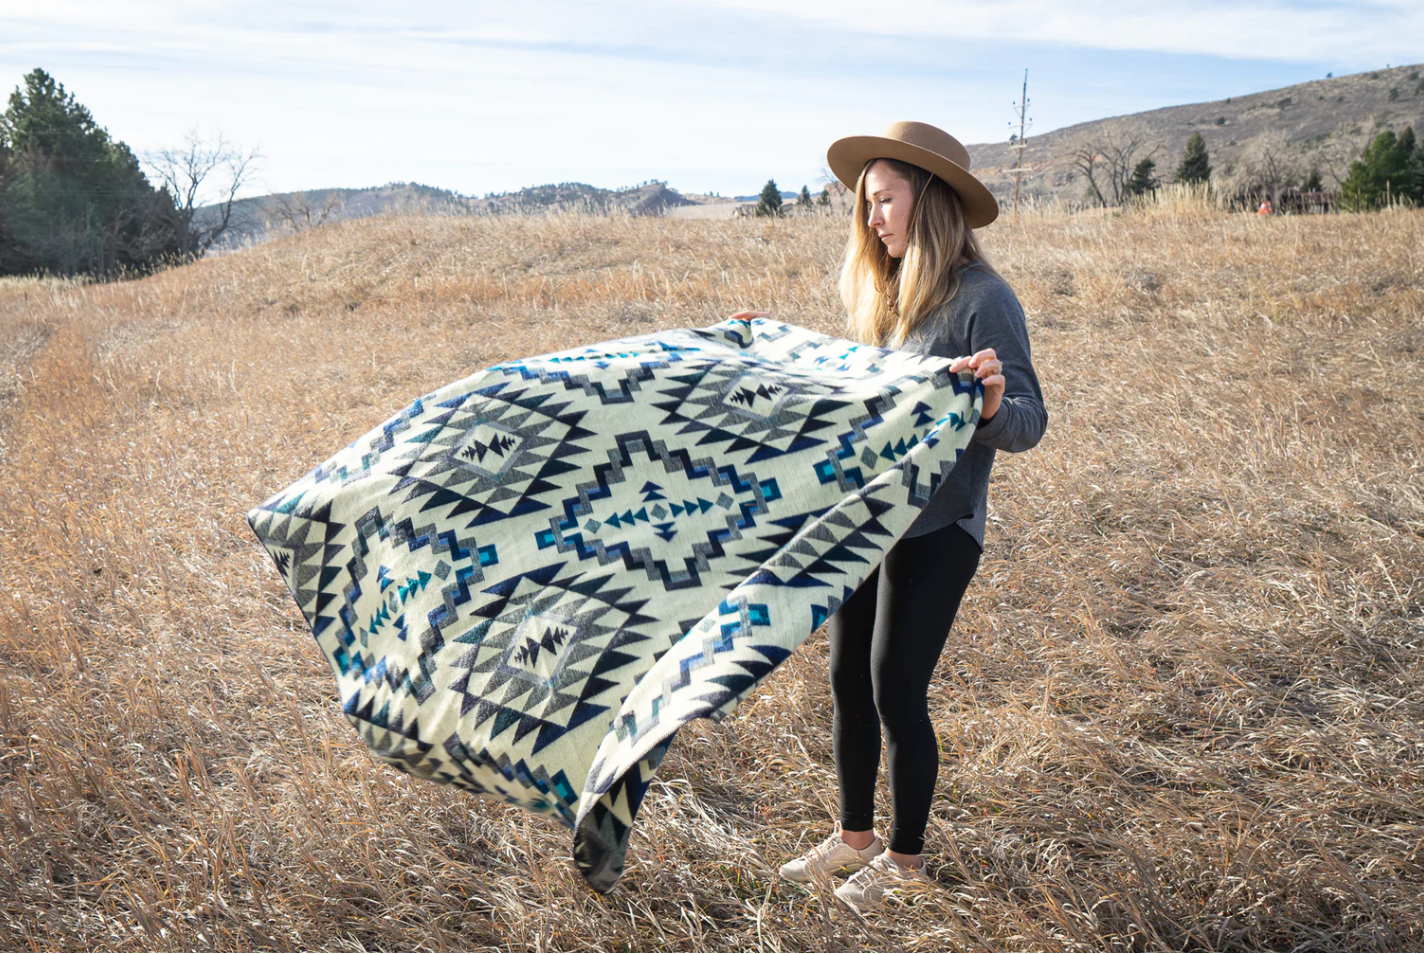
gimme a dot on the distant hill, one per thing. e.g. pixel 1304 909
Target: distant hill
pixel 258 218
pixel 1324 123
pixel 261 217
pixel 650 198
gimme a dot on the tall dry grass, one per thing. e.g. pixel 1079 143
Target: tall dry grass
pixel 1181 707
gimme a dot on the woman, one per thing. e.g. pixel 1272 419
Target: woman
pixel 915 279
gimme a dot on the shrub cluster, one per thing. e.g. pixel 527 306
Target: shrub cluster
pixel 1391 169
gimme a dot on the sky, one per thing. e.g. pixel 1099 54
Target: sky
pixel 707 95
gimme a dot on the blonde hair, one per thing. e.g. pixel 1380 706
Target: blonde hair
pixel 888 298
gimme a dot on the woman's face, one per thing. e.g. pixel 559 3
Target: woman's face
pixel 891 200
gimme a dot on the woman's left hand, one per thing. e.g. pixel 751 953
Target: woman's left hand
pixel 990 372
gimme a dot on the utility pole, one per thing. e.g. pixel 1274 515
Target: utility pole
pixel 1018 142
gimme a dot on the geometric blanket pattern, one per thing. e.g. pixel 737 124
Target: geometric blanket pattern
pixel 528 580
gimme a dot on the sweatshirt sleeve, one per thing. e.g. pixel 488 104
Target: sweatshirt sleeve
pixel 997 322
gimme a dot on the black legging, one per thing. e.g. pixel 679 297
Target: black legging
pixel 885 642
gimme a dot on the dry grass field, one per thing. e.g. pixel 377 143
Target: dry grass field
pixel 1183 706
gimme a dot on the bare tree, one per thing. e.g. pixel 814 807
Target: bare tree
pixel 1107 161
pixel 298 211
pixel 1086 156
pixel 1334 153
pixel 834 188
pixel 1270 164
pixel 1332 156
pixel 203 177
pixel 1122 158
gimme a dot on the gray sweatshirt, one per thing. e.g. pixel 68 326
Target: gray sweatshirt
pixel 984 313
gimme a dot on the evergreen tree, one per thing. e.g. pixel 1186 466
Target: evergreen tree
pixel 824 199
pixel 770 201
pixel 1195 165
pixel 1144 179
pixel 1416 173
pixel 1384 171
pixel 1312 181
pixel 1408 186
pixel 804 199
pixel 73 200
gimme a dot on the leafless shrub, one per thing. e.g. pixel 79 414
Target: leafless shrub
pixel 1269 165
pixel 297 210
pixel 1106 161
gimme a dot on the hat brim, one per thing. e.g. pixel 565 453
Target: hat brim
pixel 848 156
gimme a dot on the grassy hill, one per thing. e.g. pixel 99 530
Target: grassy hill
pixel 1182 707
pixel 1324 123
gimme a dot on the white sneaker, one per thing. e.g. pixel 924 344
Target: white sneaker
pixel 882 878
pixel 831 857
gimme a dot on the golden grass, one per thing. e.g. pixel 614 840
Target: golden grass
pixel 1181 707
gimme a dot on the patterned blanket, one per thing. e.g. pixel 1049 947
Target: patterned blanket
pixel 528 580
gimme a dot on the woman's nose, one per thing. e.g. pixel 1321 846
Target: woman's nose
pixel 876 218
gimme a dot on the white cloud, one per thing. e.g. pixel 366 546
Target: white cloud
pixel 1265 29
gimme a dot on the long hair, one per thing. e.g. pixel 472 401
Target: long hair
pixel 888 298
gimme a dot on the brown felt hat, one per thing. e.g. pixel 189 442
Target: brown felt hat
pixel 923 145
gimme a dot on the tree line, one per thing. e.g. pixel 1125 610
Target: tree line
pixel 1389 170
pixel 76 201
pixel 769 203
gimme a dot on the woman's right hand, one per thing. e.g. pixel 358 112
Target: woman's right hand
pixel 990 371
pixel 748 315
